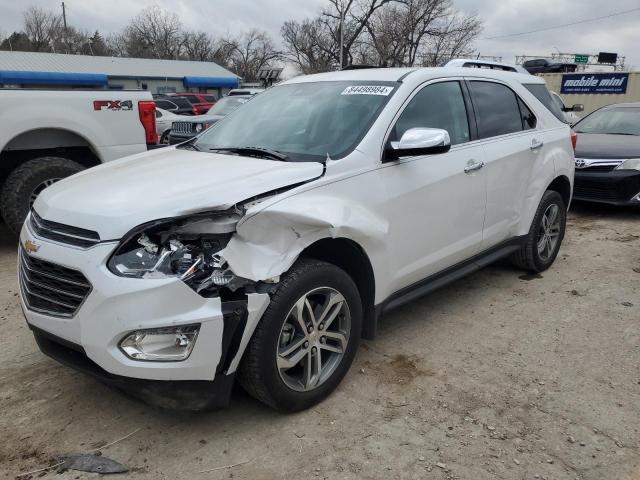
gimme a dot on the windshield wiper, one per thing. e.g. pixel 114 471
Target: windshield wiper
pixel 189 144
pixel 621 133
pixel 253 152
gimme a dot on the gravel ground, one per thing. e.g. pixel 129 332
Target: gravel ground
pixel 500 375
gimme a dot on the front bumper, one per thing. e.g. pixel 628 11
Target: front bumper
pixel 117 306
pixel 618 187
pixel 171 394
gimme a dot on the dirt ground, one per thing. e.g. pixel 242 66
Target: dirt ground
pixel 500 375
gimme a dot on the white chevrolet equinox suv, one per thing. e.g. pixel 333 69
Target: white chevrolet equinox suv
pixel 264 249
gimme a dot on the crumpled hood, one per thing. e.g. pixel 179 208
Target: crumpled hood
pixel 113 198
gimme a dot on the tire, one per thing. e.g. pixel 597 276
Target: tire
pixel 259 372
pixel 26 181
pixel 529 257
pixel 164 139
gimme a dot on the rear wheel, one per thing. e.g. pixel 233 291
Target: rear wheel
pixel 26 182
pixel 542 243
pixel 306 340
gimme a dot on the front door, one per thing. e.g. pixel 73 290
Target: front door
pixel 436 203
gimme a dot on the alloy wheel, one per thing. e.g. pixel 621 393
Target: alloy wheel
pixel 313 339
pixel 549 232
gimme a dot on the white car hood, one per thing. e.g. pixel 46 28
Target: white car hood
pixel 112 199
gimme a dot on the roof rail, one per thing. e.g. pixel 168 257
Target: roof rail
pixel 359 67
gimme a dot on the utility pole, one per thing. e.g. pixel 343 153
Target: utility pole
pixel 64 21
pixel 341 36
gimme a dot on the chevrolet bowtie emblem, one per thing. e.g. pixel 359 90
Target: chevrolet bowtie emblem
pixel 31 246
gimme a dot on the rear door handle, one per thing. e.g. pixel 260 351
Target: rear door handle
pixel 473 166
pixel 535 144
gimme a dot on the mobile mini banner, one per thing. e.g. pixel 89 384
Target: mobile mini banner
pixel 594 83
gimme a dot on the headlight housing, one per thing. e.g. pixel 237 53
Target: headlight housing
pixel 184 248
pixel 199 127
pixel 629 164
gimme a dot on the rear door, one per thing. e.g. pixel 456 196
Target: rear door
pixel 511 143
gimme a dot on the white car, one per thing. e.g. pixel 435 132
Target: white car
pixel 265 248
pixel 569 113
pixel 164 120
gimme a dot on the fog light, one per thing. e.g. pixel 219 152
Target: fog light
pixel 169 344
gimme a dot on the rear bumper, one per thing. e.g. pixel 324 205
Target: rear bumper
pixel 618 187
pixel 172 394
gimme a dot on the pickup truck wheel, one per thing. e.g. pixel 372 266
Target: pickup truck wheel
pixel 306 339
pixel 25 183
pixel 542 243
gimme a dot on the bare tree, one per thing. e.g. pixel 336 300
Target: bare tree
pixel 154 33
pixel 43 28
pixel 381 32
pixel 197 46
pixel 117 45
pixel 309 45
pixel 458 33
pixel 251 53
pixel 355 15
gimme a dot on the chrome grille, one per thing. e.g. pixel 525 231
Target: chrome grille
pixel 51 289
pixel 66 234
pixel 182 127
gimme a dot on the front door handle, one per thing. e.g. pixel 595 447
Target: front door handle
pixel 473 166
pixel 535 144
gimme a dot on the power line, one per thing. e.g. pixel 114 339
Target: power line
pixel 564 25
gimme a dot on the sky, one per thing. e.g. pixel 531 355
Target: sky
pixel 618 34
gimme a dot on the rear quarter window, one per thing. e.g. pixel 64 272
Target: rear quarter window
pixel 539 90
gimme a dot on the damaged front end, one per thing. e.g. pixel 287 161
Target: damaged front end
pixel 186 248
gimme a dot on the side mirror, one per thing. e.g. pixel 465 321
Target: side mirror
pixel 419 141
pixel 578 107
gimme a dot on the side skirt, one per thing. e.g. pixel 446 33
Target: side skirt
pixel 451 274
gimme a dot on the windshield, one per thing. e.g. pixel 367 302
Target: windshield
pixel 227 105
pixel 614 121
pixel 304 121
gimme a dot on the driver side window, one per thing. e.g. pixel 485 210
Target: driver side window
pixel 439 105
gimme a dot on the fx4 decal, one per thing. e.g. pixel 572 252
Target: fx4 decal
pixel 112 105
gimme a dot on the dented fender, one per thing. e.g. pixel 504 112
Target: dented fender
pixel 267 243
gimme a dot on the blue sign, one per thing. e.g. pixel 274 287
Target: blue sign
pixel 594 83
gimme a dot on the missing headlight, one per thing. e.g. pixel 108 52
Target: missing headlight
pixel 185 248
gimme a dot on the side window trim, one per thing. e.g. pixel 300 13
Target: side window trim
pixel 467 81
pixel 471 111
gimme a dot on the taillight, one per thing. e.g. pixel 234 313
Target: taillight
pixel 147 112
pixel 574 139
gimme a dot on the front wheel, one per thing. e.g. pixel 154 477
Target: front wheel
pixel 541 245
pixel 306 339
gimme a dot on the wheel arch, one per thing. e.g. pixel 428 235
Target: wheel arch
pixel 47 141
pixel 350 257
pixel 562 185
